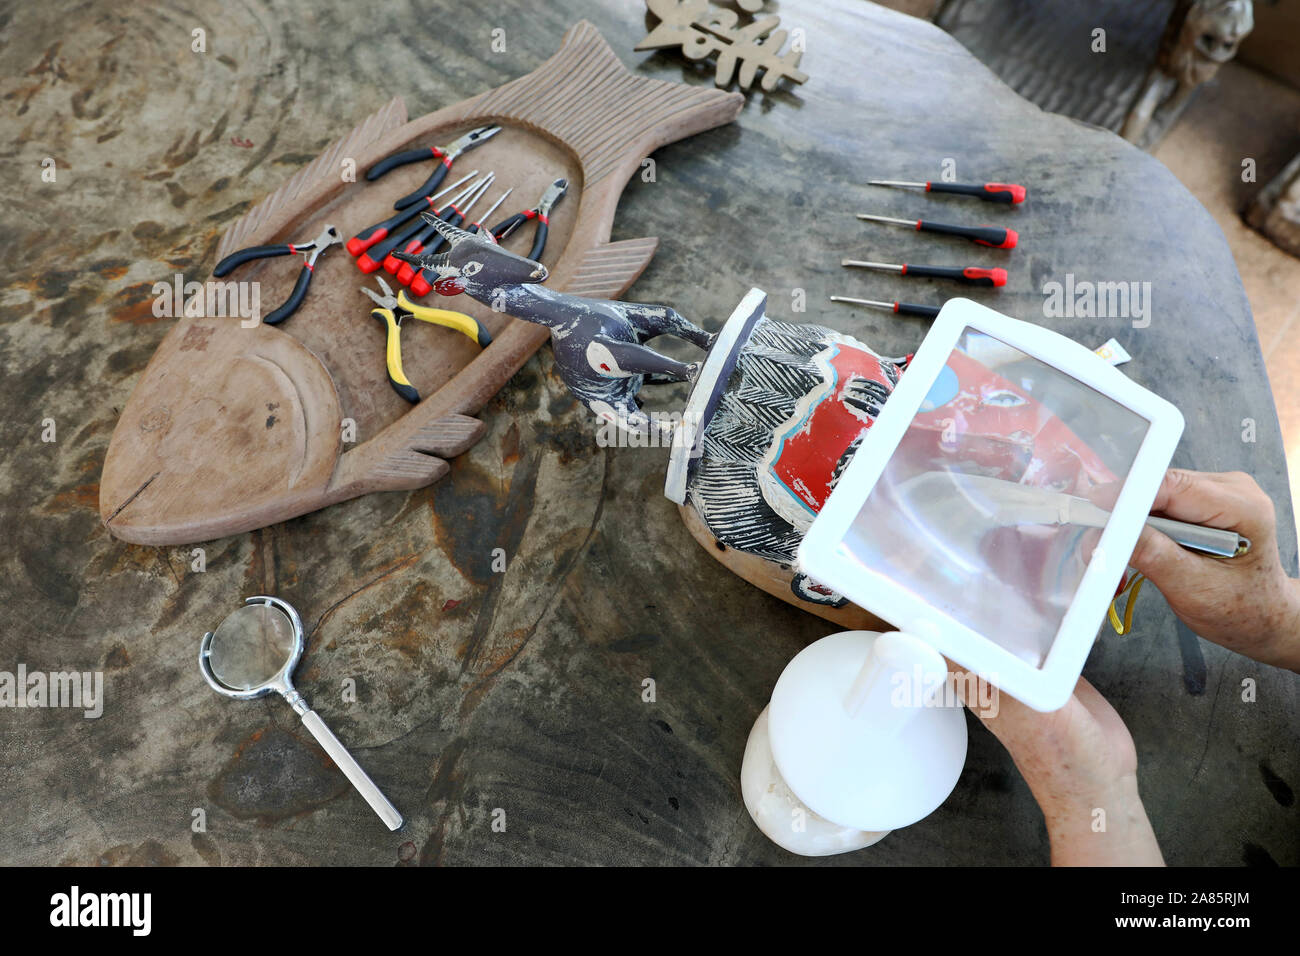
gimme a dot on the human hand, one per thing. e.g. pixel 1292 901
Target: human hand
pixel 1246 604
pixel 1078 760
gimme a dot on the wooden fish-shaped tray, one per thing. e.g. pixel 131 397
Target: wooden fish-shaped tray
pixel 232 428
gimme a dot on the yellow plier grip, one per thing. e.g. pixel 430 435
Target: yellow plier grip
pixel 393 355
pixel 465 324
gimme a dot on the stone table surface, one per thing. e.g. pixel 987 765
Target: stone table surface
pixel 517 696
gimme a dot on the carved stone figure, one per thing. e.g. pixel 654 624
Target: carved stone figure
pixel 1276 210
pixel 1202 36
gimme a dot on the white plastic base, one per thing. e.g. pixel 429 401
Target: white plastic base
pixel 781 816
pixel 859 734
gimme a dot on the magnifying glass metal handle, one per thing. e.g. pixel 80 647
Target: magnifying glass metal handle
pixel 352 770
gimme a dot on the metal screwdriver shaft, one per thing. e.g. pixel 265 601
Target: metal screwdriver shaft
pixel 902 308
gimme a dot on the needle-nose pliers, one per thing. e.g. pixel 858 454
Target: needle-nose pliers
pixel 330 236
pixel 393 310
pixel 447 155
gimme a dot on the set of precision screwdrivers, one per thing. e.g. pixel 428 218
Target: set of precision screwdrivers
pixel 996 237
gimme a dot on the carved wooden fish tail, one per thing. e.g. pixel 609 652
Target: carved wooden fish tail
pixel 276 209
pixel 585 97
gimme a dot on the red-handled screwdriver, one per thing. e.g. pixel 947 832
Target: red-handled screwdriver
pixel 417 245
pixel 994 236
pixel 970 275
pixel 379 231
pixel 392 264
pixel 902 308
pixel 373 258
pixel 989 192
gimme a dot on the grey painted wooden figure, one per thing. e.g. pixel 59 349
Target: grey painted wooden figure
pixel 599 344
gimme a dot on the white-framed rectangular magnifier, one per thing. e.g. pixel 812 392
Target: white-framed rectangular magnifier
pixel 993 506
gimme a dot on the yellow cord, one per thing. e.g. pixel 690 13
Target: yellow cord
pixel 1132 588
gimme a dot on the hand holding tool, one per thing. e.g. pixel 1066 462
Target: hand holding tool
pixel 379 231
pixel 994 236
pixel 541 212
pixel 328 237
pixel 902 308
pixel 392 311
pixel 1016 504
pixel 253 652
pixel 989 192
pixel 970 275
pixel 447 155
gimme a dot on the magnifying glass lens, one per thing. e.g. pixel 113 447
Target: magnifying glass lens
pixel 251 646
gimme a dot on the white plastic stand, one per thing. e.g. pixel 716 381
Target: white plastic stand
pixel 861 736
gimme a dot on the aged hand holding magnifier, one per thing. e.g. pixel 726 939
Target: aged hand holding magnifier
pixel 253 652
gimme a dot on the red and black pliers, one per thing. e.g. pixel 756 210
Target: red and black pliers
pixel 541 212
pixel 327 238
pixel 447 155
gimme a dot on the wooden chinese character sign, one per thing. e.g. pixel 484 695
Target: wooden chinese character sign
pixel 702 30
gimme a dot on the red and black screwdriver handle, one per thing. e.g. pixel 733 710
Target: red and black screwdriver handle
pixel 967 276
pixel 994 236
pixel 407 274
pixel 421 283
pixel 911 308
pixel 379 231
pixel 418 237
pixel 989 192
pixel 507 226
pixel 371 260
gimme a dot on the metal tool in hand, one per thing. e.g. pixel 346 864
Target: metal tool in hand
pixel 328 237
pixel 392 310
pixel 541 212
pixel 447 155
pixel 253 652
pixel 1013 503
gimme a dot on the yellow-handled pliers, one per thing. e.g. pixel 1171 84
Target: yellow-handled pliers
pixel 393 310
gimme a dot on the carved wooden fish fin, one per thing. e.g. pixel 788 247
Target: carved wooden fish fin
pixel 351 144
pixel 585 97
pixel 399 460
pixel 609 268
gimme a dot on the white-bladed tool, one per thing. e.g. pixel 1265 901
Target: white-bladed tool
pixel 1009 503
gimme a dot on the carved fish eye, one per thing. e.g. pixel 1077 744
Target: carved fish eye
pixel 471 268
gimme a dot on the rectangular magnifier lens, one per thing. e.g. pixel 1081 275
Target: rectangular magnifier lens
pixel 992 503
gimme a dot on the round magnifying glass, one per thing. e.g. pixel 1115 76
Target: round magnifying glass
pixel 253 652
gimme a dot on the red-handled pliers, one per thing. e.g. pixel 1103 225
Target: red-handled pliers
pixel 330 236
pixel 447 155
pixel 541 212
